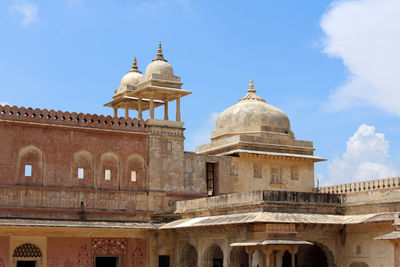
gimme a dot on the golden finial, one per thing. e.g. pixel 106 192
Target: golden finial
pixel 251 86
pixel 134 66
pixel 160 55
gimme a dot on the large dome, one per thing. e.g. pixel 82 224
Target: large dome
pixel 252 115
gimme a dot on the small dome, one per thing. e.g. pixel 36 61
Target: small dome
pixel 132 78
pixel 159 65
pixel 252 114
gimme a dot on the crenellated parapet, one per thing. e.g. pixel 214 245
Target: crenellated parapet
pixel 53 117
pixel 362 186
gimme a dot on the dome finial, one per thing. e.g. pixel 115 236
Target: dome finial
pixel 251 94
pixel 251 86
pixel 160 55
pixel 134 66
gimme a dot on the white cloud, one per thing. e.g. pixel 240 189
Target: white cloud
pixel 4 103
pixel 367 157
pixel 202 135
pixel 28 11
pixel 365 34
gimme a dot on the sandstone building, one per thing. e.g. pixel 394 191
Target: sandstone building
pixel 88 190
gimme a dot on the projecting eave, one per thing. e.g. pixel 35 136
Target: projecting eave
pixel 132 103
pixel 272 217
pixel 391 236
pixel 252 153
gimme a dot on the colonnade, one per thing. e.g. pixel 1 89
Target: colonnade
pixel 270 256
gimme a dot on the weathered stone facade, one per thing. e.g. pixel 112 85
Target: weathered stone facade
pixel 89 190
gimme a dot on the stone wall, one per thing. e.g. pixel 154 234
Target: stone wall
pixel 256 173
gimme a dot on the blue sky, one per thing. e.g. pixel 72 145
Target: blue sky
pixel 332 66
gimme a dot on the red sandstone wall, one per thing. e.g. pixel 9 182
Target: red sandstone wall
pixel 69 251
pixel 137 252
pixel 56 149
pixel 4 251
pixel 80 252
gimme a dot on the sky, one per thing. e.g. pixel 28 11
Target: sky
pixel 332 66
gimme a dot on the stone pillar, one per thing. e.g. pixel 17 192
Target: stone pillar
pixel 178 109
pixel 115 112
pixel 126 113
pixel 268 253
pixel 151 107
pixel 279 258
pixel 166 110
pixel 250 252
pixel 293 252
pixel 140 108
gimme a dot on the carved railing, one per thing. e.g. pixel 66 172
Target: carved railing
pixel 362 186
pixel 22 114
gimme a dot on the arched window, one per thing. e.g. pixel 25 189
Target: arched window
pixel 27 255
pixel 136 173
pixel 82 169
pixel 30 166
pixel 109 171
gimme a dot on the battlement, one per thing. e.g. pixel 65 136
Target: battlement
pixel 362 186
pixel 66 118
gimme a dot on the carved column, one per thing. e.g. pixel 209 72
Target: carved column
pixel 293 252
pixel 166 110
pixel 140 108
pixel 126 113
pixel 115 112
pixel 250 252
pixel 278 258
pixel 268 259
pixel 151 107
pixel 178 109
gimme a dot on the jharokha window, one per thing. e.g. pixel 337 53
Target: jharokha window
pixel 211 178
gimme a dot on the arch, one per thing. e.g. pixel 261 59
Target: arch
pixel 238 257
pixel 30 156
pixel 27 250
pixel 136 164
pixel 109 162
pixel 315 255
pixel 287 259
pixel 213 256
pixel 188 256
pixel 358 264
pixel 82 159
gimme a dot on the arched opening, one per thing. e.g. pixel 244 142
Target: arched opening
pixel 311 256
pixel 287 259
pixel 239 257
pixel 358 264
pixel 188 256
pixel 213 257
pixel 27 255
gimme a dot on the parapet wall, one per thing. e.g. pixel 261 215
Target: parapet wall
pixel 363 186
pixel 71 119
pixel 258 198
